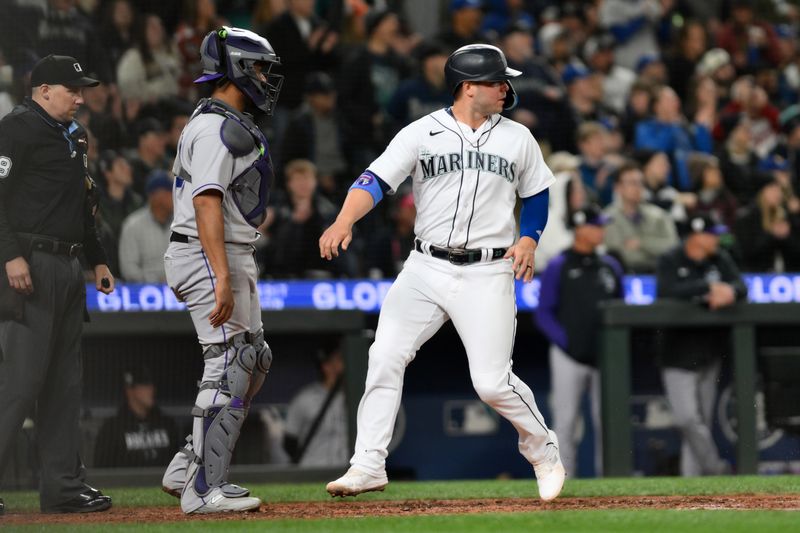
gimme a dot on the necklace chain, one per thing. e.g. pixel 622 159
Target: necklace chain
pixel 474 145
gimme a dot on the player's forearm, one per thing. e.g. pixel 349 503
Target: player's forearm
pixel 211 231
pixel 357 204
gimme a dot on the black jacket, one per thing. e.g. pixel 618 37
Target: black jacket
pixel 43 182
pixel 759 246
pixel 297 58
pixel 125 440
pixel 681 278
pixel 572 287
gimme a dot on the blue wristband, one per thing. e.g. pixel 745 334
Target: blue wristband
pixel 533 217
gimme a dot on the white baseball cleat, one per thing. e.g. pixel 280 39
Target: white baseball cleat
pixel 550 474
pixel 217 502
pixel 354 482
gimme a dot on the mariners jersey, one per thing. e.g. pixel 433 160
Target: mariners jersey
pixel 211 166
pixel 465 182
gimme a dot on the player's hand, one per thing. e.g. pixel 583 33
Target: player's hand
pixel 340 233
pixel 19 275
pixel 223 296
pixel 522 254
pixel 721 295
pixel 103 280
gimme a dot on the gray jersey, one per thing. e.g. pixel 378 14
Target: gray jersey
pixel 204 157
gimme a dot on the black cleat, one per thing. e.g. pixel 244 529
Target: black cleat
pixel 89 502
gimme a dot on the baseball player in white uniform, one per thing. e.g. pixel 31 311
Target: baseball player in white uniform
pixel 223 174
pixel 468 164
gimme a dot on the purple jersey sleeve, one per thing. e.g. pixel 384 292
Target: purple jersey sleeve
pixel 547 310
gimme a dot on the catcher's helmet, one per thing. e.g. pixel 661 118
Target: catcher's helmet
pixel 480 62
pixel 232 53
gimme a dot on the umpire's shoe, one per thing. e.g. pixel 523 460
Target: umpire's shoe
pixel 354 482
pixel 92 500
pixel 550 473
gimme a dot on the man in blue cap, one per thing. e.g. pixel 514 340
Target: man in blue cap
pixel 466 17
pixel 145 233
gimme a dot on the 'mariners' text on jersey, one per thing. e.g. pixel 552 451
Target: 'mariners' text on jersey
pixel 435 165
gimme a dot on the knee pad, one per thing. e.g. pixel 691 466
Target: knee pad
pixel 263 352
pixel 263 362
pixel 249 356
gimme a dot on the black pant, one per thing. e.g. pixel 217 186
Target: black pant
pixel 41 368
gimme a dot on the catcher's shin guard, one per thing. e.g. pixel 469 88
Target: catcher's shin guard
pixel 222 425
pixel 222 422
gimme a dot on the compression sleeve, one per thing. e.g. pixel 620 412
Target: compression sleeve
pixel 533 217
pixel 372 184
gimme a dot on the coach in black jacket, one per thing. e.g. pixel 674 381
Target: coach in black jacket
pixel 697 271
pixel 572 287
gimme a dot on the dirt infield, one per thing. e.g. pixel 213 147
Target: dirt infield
pixel 355 508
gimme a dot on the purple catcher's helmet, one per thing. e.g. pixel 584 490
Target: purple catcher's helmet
pixel 232 53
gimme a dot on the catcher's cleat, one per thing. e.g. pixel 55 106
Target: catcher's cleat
pixel 355 482
pixel 217 502
pixel 229 489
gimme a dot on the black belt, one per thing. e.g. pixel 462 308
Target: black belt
pixel 458 256
pixel 50 245
pixel 178 237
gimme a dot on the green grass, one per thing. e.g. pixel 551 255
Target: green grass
pixel 138 497
pixel 554 521
pixel 633 521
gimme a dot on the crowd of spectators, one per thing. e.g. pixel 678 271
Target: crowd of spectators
pixel 658 110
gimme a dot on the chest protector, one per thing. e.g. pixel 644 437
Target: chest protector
pixel 250 189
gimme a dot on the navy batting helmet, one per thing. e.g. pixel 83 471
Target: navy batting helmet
pixel 480 62
pixel 232 53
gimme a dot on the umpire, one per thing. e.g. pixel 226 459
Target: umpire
pixel 46 221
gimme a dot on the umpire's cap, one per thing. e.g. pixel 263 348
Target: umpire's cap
pixel 480 62
pixel 60 70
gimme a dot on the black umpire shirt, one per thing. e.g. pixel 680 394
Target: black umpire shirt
pixel 43 182
pixel 681 278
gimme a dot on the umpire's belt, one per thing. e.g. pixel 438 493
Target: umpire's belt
pixel 460 256
pixel 51 245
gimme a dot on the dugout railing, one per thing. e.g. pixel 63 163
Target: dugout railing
pixel 615 368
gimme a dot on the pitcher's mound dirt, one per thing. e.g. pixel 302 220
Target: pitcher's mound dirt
pixel 354 508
